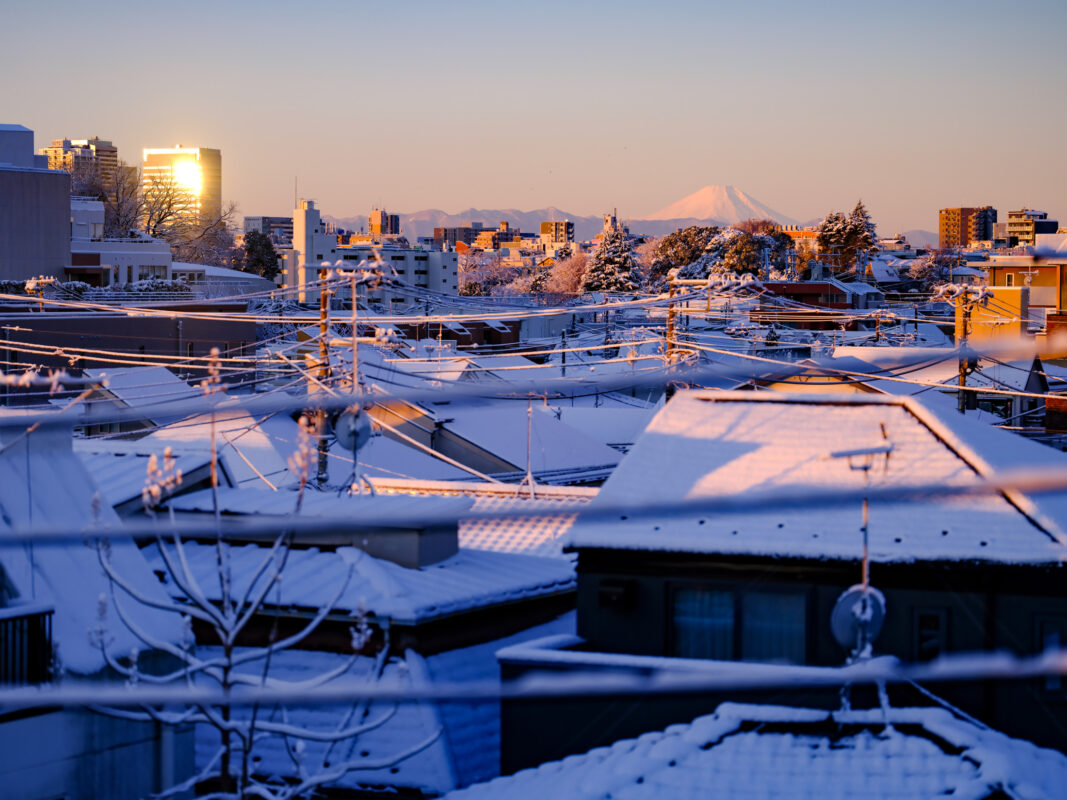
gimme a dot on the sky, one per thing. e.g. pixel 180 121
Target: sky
pixel 586 106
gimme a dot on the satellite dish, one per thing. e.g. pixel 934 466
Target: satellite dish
pixel 858 610
pixel 352 429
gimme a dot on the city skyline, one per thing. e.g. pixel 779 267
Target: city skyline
pixel 498 108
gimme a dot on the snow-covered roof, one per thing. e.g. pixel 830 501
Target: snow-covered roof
pixel 718 444
pixel 745 751
pixel 469 580
pixel 43 483
pixel 146 389
pixel 468 749
pixel 119 467
pixel 501 429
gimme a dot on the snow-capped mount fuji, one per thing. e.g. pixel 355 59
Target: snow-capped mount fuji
pixel 726 204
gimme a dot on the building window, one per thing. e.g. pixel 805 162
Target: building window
pixel 1051 634
pixel 724 624
pixel 773 626
pixel 1009 279
pixel 703 623
pixel 930 633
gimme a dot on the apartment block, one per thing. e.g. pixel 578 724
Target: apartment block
pixel 74 155
pixel 1025 224
pixel 193 173
pixel 959 227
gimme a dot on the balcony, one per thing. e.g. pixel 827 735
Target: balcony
pixel 25 644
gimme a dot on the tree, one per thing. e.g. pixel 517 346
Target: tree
pixel 735 251
pixel 123 208
pixel 843 238
pixel 567 275
pixel 612 267
pixel 676 250
pixel 224 604
pixel 934 268
pixel 257 255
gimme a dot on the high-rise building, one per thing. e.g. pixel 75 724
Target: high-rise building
pixel 73 155
pixel 958 227
pixel 192 174
pixel 557 233
pixel 1025 224
pixel 278 229
pixel 382 223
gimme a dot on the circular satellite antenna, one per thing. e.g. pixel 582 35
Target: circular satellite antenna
pixel 858 616
pixel 352 429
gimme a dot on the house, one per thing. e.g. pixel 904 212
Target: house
pixel 748 750
pixel 758 585
pixel 53 596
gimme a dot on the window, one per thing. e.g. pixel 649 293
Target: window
pixel 722 623
pixel 930 633
pixel 1051 634
pixel 1009 279
pixel 703 623
pixel 772 626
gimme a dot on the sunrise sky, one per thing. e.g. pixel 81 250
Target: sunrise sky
pixel 582 105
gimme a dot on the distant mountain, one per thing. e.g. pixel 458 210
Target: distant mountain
pixel 422 223
pixel 712 205
pixel 921 239
pixel 724 203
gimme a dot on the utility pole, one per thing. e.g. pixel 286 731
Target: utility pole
pixel 324 373
pixel 563 353
pixel 965 316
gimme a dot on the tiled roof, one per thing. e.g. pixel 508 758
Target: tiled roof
pixel 750 751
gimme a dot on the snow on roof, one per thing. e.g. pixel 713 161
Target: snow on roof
pixel 533 535
pixel 744 751
pixel 144 388
pixel 469 580
pixel 385 457
pixel 42 482
pixel 610 426
pixel 716 444
pixel 254 449
pixel 468 751
pixel 119 467
pixel 501 429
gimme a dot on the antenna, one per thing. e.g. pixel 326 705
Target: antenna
pixel 859 612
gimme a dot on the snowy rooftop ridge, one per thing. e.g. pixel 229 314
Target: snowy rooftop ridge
pixel 747 751
pixel 710 444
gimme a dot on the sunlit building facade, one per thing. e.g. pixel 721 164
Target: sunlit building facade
pixel 72 155
pixel 193 174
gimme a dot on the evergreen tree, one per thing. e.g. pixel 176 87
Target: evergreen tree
pixel 612 268
pixel 678 249
pixel 258 255
pixel 844 238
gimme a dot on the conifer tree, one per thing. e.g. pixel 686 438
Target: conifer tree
pixel 612 268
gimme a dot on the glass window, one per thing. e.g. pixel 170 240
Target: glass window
pixel 703 623
pixel 773 626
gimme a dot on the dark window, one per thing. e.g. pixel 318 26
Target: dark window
pixel 931 632
pixel 1051 634
pixel 703 623
pixel 721 623
pixel 772 626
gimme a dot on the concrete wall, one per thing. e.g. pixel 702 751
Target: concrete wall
pixel 34 223
pixel 79 755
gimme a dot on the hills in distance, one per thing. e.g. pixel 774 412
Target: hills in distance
pixel 712 205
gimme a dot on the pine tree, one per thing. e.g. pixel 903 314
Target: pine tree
pixel 612 268
pixel 844 238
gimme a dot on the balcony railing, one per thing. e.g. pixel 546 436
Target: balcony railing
pixel 25 644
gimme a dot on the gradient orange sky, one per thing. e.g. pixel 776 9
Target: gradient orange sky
pixel 582 105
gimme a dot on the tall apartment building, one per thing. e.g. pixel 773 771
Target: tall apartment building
pixel 278 229
pixel 958 227
pixel 1025 224
pixel 382 223
pixel 450 237
pixel 194 173
pixel 557 233
pixel 72 155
